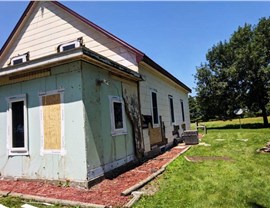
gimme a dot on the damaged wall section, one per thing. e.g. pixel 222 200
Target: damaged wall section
pixel 132 107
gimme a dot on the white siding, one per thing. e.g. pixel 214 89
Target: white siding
pixel 48 26
pixel 164 87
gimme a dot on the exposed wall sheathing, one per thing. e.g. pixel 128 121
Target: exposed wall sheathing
pixel 47 165
pixel 104 150
pixel 52 121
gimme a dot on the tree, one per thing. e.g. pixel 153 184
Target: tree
pixel 237 73
pixel 194 109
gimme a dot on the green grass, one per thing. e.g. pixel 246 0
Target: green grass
pixel 253 123
pixel 242 182
pixel 16 202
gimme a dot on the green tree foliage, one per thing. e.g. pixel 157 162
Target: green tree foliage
pixel 195 114
pixel 237 73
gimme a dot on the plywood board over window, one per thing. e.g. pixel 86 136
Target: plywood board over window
pixel 52 122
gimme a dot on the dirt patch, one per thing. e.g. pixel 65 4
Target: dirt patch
pixel 206 158
pixel 150 189
pixel 107 192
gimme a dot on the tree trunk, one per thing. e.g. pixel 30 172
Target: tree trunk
pixel 264 115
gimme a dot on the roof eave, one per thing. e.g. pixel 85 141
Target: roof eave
pixel 81 53
pixel 157 67
pixel 138 53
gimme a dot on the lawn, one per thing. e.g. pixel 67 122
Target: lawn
pixel 242 181
pixel 16 202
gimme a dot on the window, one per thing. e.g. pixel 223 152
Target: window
pixel 52 122
pixel 17 125
pixel 68 46
pixel 154 107
pixel 118 123
pixel 171 108
pixel 20 59
pixel 182 109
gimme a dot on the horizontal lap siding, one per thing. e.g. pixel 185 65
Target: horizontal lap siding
pixel 164 87
pixel 44 31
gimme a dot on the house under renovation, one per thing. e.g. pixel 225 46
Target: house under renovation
pixel 77 102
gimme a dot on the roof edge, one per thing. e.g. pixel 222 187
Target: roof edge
pixel 29 6
pixel 139 54
pixel 157 67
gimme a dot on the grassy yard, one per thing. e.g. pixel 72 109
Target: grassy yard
pixel 15 202
pixel 243 181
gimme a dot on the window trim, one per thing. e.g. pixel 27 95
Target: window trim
pixel 114 131
pixel 77 44
pixel 171 107
pixel 61 151
pixel 24 57
pixel 152 109
pixel 21 150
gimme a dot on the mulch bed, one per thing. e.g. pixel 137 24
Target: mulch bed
pixel 107 192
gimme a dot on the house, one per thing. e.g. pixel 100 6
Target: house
pixel 77 102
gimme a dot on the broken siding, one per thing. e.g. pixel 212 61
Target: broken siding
pixel 163 87
pixel 48 26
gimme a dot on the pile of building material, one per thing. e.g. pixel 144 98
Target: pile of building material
pixel 190 137
pixel 265 149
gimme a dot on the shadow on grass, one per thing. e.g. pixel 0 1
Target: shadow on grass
pixel 243 126
pixel 255 205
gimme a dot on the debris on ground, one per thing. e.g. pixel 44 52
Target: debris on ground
pixel 243 140
pixel 265 149
pixel 206 158
pixel 204 144
pixel 219 140
pixel 28 206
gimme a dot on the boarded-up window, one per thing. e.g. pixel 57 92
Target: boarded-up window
pixel 51 112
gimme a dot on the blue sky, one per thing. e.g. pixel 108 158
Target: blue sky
pixel 176 34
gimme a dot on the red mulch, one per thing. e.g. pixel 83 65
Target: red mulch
pixel 107 192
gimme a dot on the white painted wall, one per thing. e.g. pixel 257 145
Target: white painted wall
pixel 163 87
pixel 49 25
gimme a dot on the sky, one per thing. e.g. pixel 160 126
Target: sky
pixel 175 34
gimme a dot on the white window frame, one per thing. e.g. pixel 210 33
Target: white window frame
pixel 77 44
pixel 61 151
pixel 12 151
pixel 152 109
pixel 114 130
pixel 23 57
